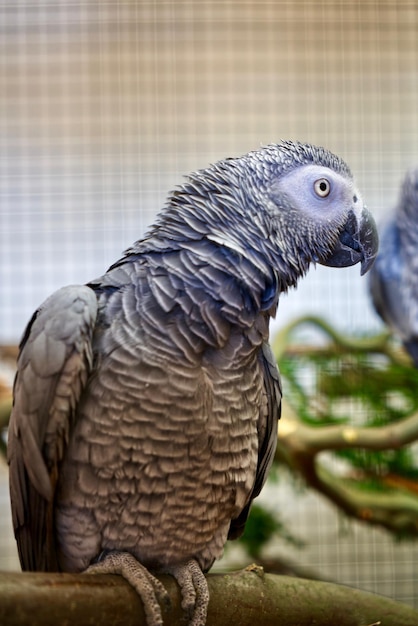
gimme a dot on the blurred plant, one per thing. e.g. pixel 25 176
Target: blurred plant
pixel 5 408
pixel 354 402
pixel 261 527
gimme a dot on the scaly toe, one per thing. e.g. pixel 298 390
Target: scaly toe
pixel 194 591
pixel 149 588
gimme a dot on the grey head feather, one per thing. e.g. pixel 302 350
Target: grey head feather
pixel 236 203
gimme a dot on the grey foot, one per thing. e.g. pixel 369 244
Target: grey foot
pixel 150 590
pixel 194 591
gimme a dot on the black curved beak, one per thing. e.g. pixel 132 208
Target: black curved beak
pixel 358 243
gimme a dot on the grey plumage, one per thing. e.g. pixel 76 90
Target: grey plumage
pixel 146 402
pixel 394 278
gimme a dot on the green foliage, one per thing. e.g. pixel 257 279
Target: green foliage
pixel 338 384
pixel 262 525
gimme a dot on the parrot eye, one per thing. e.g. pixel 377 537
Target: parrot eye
pixel 322 187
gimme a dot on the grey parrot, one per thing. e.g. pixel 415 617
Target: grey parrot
pixel 146 402
pixel 394 279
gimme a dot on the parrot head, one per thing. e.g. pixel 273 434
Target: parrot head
pixel 331 224
pixel 290 203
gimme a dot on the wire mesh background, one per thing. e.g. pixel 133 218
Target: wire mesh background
pixel 105 105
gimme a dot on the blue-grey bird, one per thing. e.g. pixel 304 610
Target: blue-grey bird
pixel 394 279
pixel 146 402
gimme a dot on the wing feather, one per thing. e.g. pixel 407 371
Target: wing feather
pixel 55 360
pixel 267 433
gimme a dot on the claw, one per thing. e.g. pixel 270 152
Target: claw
pixel 192 582
pixel 194 591
pixel 149 588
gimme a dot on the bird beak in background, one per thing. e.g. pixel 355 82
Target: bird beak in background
pixel 358 243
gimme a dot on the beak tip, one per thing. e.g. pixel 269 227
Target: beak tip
pixel 359 243
pixel 367 263
pixel 371 242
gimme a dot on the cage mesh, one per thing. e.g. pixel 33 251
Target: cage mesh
pixel 105 105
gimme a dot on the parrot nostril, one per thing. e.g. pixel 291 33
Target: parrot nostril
pixel 355 198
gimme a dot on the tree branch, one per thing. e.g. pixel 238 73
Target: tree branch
pixel 299 444
pixel 379 343
pixel 305 439
pixel 246 598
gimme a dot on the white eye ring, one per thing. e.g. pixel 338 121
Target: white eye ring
pixel 322 187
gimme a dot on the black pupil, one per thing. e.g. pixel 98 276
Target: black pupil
pixel 323 186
